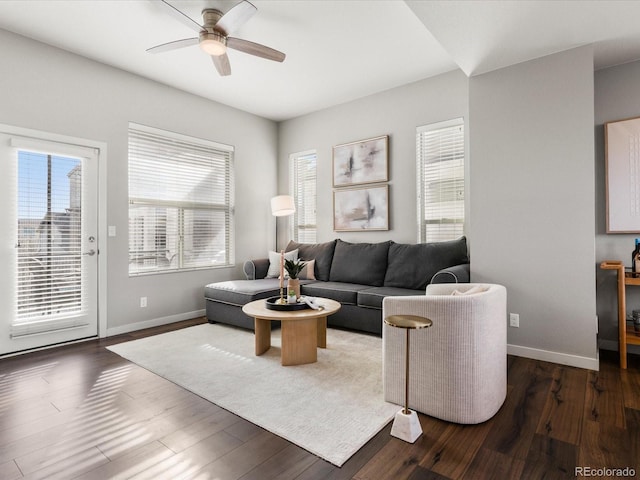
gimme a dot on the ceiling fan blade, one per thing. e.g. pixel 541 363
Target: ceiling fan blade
pixel 222 64
pixel 236 17
pixel 255 49
pixel 165 47
pixel 181 17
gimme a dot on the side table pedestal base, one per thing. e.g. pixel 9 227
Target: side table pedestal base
pixel 406 426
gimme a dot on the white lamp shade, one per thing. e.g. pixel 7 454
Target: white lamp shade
pixel 282 205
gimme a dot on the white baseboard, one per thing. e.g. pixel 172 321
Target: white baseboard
pixel 554 357
pixel 156 322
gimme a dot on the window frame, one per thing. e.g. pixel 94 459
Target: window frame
pixel 221 156
pixel 310 225
pixel 443 131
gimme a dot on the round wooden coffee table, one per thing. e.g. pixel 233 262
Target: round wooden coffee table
pixel 303 331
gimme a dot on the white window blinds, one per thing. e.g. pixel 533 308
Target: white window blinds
pixel 440 168
pixel 49 237
pixel 302 175
pixel 180 202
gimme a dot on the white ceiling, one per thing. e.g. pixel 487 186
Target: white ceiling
pixel 336 50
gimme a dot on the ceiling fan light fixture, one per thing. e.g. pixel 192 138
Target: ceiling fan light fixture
pixel 212 35
pixel 213 43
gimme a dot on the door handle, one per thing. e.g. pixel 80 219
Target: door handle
pixel 91 252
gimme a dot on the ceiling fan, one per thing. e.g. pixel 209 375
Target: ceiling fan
pixel 213 35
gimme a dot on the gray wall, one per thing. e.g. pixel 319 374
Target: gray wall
pixel 397 113
pixel 616 98
pixel 531 176
pixel 47 89
pixel 532 201
pixel 530 186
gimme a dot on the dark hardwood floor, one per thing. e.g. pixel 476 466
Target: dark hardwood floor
pixel 80 411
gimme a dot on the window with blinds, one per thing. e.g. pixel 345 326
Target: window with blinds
pixel 302 175
pixel 49 282
pixel 180 202
pixel 440 168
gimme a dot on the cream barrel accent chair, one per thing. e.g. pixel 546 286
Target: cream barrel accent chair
pixel 458 367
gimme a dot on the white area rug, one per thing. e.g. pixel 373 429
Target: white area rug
pixel 330 408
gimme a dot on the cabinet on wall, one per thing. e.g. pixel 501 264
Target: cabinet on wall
pixel 625 337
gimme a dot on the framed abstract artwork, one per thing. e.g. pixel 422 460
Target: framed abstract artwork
pixel 363 208
pixel 365 161
pixel 622 159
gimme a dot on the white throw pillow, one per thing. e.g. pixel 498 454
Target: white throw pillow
pixel 471 291
pixel 274 262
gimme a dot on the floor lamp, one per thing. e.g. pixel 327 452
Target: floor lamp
pixel 282 206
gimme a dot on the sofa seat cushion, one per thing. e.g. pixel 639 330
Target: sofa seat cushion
pixel 372 297
pixel 360 263
pixel 241 292
pixel 413 266
pixel 345 293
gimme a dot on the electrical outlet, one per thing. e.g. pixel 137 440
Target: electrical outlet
pixel 514 320
pixel 143 302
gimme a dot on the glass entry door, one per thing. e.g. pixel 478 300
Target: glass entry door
pixel 52 222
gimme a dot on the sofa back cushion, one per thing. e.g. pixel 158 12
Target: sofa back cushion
pixel 322 253
pixel 412 266
pixel 363 263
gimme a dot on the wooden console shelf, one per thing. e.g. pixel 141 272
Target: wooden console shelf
pixel 624 278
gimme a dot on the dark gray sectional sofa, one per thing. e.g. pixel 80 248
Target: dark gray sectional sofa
pixel 358 275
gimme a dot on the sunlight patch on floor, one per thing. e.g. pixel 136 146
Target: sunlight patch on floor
pixel 211 348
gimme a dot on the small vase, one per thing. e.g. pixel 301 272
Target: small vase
pixel 294 284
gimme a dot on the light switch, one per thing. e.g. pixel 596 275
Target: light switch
pixel 112 230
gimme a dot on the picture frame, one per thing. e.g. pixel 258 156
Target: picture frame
pixel 361 162
pixel 622 171
pixel 361 209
